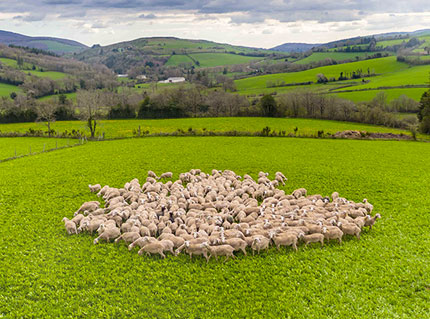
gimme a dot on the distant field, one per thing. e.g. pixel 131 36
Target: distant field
pixel 178 59
pixel 48 74
pixel 17 146
pixel 378 66
pixel 337 56
pixel 365 96
pixel 70 96
pixel 124 128
pixel 218 59
pixel 7 89
pixel 56 47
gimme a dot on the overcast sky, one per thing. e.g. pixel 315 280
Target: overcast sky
pixel 257 23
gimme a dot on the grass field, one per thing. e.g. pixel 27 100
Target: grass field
pixel 7 89
pixel 124 128
pixel 178 59
pixel 378 66
pixel 218 59
pixel 45 273
pixel 365 96
pixel 17 146
pixel 337 56
pixel 70 96
pixel 48 74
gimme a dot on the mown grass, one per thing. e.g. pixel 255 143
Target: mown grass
pixel 45 273
pixel 377 66
pixel 337 56
pixel 7 89
pixel 124 128
pixel 178 59
pixel 392 94
pixel 18 146
pixel 219 59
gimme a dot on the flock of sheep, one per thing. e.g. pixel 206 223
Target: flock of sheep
pixel 216 214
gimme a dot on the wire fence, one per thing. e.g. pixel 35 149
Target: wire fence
pixel 18 152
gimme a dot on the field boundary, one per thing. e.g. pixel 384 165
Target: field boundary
pixel 81 142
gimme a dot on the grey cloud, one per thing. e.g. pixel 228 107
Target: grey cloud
pixel 252 11
pixel 148 16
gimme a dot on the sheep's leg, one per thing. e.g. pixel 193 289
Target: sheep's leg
pixel 162 255
pixel 244 250
pixel 227 258
pixel 295 246
pixel 340 241
pixel 358 236
pixel 277 246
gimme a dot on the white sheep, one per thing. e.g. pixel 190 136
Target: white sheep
pixel 70 226
pixel 153 248
pixel 94 188
pixel 108 234
pixel 128 237
pixel 221 250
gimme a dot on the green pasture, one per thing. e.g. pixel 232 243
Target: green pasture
pixel 179 59
pixel 377 66
pixel 220 59
pixel 336 56
pixel 7 89
pixel 124 128
pixel 18 146
pixel 47 274
pixel 392 94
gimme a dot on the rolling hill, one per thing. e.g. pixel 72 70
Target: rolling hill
pixel 55 45
pixel 169 51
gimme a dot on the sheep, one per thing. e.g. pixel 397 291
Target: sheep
pixel 165 175
pixel 152 174
pixel 370 221
pixel 219 209
pixel 152 248
pixel 108 234
pixel 260 243
pixel 333 233
pixel 128 237
pixel 313 238
pixel 168 245
pixel 94 188
pixel 195 249
pixel 70 226
pixel 286 239
pixel 237 244
pixel 88 206
pixel 221 250
pixel 350 229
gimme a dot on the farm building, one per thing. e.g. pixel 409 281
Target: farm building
pixel 173 80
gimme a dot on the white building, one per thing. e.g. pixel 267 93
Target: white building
pixel 173 80
pixel 141 77
pixel 122 75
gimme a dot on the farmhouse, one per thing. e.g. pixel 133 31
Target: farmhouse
pixel 173 80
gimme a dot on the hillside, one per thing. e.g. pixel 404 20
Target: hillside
pixel 55 45
pixel 169 51
pixel 295 47
pixel 363 41
pixel 376 75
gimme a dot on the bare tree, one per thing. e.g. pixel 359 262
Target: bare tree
pixel 90 104
pixel 46 113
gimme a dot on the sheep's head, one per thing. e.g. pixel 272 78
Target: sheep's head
pixel 301 235
pixel 65 219
pixel 377 216
pixel 324 230
pixel 187 243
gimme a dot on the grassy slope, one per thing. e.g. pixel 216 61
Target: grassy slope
pixel 124 128
pixel 384 275
pixel 379 66
pixel 22 145
pixel 337 56
pixel 7 89
pixel 219 59
pixel 364 96
pixel 178 59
